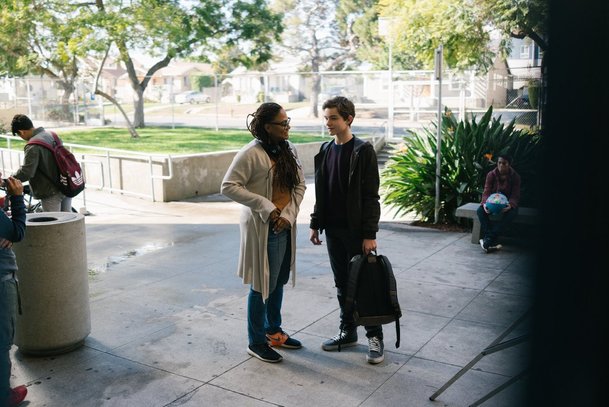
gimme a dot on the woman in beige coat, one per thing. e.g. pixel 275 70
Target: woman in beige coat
pixel 267 179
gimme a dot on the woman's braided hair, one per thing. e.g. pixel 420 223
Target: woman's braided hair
pixel 286 167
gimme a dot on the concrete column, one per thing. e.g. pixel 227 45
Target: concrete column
pixel 53 282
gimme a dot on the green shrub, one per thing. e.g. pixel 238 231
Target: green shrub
pixel 533 87
pixel 468 152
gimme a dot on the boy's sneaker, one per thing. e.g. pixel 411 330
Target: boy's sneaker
pixel 282 339
pixel 485 244
pixel 342 339
pixel 17 395
pixel 264 352
pixel 375 350
pixel 494 247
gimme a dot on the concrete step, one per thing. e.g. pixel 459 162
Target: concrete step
pixel 385 153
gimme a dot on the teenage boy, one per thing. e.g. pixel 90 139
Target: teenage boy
pixel 347 207
pixel 39 166
pixel 506 180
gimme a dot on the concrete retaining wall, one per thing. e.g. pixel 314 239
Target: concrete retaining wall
pixel 191 175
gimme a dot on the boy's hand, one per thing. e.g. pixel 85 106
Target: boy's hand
pixel 314 237
pixel 368 245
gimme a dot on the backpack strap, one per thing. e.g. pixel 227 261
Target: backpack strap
pixel 49 147
pixel 354 269
pixel 324 146
pixel 56 138
pixel 355 265
pixel 393 295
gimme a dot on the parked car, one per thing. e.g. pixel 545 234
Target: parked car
pixel 192 96
pixel 519 102
pixel 329 93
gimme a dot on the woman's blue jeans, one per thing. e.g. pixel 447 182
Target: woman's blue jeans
pixel 265 317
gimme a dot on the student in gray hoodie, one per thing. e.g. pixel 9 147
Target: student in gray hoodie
pixel 39 166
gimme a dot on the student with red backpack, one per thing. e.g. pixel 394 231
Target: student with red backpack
pixel 43 166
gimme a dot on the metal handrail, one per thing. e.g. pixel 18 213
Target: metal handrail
pixel 107 151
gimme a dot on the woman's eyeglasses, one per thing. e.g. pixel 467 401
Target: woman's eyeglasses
pixel 284 123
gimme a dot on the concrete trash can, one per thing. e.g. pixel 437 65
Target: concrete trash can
pixel 53 284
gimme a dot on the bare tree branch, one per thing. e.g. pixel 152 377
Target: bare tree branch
pixel 100 69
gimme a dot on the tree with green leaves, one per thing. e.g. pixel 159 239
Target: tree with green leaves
pixel 44 38
pixel 472 32
pixel 359 19
pixel 197 29
pixel 49 37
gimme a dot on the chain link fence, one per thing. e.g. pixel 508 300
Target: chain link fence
pixel 406 99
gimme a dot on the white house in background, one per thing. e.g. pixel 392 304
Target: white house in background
pixel 280 83
pixel 525 58
pixel 509 79
pixel 177 77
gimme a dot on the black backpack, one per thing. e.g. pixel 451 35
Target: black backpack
pixel 71 180
pixel 372 295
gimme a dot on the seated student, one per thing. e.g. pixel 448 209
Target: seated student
pixel 503 179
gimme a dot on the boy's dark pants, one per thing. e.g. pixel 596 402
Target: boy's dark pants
pixel 342 246
pixel 493 229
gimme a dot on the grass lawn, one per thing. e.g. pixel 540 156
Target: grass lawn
pixel 183 140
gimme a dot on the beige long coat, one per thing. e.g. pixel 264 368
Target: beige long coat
pixel 249 181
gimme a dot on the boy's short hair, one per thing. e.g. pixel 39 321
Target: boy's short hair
pixel 20 122
pixel 505 156
pixel 344 106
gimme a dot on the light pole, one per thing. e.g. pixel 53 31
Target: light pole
pixel 438 72
pixel 386 30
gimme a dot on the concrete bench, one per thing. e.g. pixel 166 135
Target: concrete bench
pixel 525 215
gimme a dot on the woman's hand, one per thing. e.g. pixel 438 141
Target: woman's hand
pixel 273 216
pixel 280 225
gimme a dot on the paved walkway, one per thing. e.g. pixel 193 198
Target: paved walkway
pixel 169 329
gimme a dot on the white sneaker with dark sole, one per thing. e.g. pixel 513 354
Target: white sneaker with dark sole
pixel 375 350
pixel 494 248
pixel 483 247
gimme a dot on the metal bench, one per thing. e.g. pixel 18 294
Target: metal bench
pixel 525 215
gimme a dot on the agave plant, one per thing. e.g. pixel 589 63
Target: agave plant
pixel 467 155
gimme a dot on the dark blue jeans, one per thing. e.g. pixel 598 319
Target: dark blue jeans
pixel 342 246
pixel 492 229
pixel 8 313
pixel 265 317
